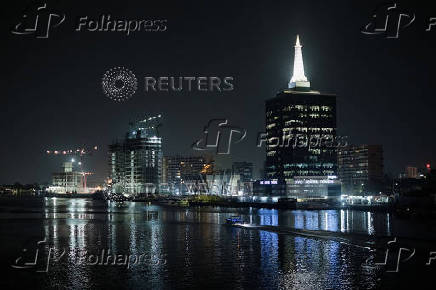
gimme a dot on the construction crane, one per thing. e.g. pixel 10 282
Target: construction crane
pixel 75 152
pixel 83 179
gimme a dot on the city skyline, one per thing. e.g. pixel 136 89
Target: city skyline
pixel 371 110
pixel 217 145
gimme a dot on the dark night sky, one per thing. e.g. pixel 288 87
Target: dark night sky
pixel 52 97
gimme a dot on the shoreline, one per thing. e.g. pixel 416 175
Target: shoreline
pixel 389 208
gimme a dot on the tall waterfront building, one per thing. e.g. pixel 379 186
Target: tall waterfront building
pixel 361 169
pixel 300 129
pixel 136 162
pixel 244 170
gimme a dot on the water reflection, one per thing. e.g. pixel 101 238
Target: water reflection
pixel 193 248
pixel 346 221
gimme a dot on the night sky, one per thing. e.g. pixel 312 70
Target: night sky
pixel 52 97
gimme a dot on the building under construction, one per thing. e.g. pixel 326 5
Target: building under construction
pixel 70 180
pixel 136 162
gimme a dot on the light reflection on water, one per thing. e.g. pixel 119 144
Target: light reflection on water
pixel 192 247
pixel 346 221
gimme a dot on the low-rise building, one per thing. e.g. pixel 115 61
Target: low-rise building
pixel 69 180
pixel 314 187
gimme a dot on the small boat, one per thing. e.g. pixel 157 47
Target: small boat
pixel 233 220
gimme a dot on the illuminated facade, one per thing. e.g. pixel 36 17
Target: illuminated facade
pixel 308 187
pixel 269 188
pixel 184 169
pixel 361 169
pixel 224 182
pixel 136 163
pixel 70 180
pixel 300 130
pixel 411 172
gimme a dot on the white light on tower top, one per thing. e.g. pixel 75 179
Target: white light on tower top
pixel 298 78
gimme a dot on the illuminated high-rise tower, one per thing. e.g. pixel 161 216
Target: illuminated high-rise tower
pixel 301 129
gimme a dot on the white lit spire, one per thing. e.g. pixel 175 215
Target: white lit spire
pixel 298 78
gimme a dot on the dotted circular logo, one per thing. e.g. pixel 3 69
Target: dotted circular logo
pixel 119 84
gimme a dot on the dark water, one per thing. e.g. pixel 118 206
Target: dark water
pixel 96 244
